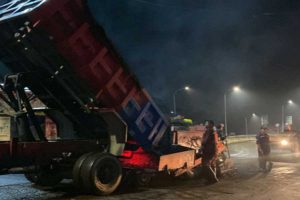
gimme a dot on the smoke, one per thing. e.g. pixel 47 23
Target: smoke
pixel 211 46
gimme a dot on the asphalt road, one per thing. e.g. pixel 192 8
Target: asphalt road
pixel 283 182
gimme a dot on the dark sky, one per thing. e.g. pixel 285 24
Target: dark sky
pixel 210 45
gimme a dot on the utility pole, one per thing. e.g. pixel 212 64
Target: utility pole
pixel 246 125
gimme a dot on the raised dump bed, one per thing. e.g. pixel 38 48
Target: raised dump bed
pixel 69 53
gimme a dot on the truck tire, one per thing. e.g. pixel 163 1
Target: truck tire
pixel 77 167
pixel 44 177
pixel 101 174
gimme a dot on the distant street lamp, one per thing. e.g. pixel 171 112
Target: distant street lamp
pixel 235 89
pixel 290 102
pixel 255 117
pixel 255 122
pixel 186 88
pixel 263 119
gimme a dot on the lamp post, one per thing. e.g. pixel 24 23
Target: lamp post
pixel 290 102
pixel 235 89
pixel 246 125
pixel 186 88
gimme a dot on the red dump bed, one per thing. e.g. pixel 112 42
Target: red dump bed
pixel 92 61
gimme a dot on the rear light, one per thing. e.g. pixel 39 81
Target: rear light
pixel 127 154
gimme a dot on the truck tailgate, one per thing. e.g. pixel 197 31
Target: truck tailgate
pixel 177 160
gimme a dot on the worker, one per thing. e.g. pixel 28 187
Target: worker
pixel 209 151
pixel 264 150
pixel 220 131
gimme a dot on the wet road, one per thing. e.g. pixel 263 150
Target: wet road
pixel 283 182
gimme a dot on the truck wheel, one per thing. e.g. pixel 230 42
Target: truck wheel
pixel 101 174
pixel 44 177
pixel 77 167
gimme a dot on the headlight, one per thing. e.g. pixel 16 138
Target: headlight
pixel 284 142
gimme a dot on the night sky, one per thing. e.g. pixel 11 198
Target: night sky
pixel 210 45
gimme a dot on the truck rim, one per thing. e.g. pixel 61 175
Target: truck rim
pixel 107 172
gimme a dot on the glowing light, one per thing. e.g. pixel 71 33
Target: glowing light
pixel 284 142
pixel 187 88
pixel 236 89
pixel 290 102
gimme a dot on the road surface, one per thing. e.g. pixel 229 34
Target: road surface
pixel 283 182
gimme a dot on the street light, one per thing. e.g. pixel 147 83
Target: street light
pixel 235 89
pixel 254 116
pixel 256 121
pixel 290 102
pixel 186 88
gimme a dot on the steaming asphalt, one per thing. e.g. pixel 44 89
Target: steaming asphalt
pixel 283 182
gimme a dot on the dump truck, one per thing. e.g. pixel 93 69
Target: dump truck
pixel 98 125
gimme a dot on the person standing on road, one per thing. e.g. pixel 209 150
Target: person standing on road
pixel 220 131
pixel 264 149
pixel 209 149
